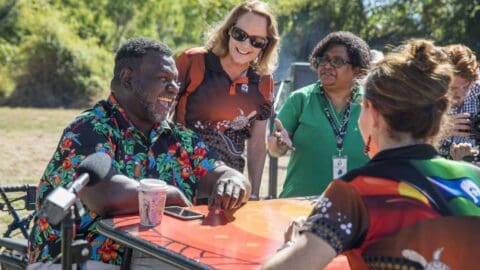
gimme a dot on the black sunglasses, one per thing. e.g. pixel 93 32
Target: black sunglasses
pixel 240 35
pixel 336 62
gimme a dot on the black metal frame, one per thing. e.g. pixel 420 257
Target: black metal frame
pixel 13 253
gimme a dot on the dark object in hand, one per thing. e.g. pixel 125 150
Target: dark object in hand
pixel 475 126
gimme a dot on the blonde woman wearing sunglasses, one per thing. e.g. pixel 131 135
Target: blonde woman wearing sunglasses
pixel 226 87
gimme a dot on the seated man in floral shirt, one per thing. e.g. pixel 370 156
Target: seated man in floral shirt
pixel 131 127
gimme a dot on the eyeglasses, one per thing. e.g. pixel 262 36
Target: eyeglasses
pixel 335 62
pixel 240 35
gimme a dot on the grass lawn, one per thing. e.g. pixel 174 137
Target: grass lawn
pixel 28 138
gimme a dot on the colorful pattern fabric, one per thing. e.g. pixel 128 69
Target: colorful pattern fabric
pixel 169 153
pixel 310 168
pixel 223 111
pixel 390 209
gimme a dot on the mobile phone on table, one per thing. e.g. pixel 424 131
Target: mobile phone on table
pixel 182 213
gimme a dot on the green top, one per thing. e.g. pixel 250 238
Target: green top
pixel 310 167
pixel 458 183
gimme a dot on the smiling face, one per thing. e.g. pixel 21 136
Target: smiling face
pixel 155 87
pixel 336 77
pixel 242 52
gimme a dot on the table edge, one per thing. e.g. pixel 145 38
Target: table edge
pixel 106 227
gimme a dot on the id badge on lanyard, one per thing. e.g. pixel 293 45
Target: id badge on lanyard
pixel 339 161
pixel 339 166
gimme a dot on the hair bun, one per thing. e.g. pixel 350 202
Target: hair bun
pixel 409 88
pixel 423 55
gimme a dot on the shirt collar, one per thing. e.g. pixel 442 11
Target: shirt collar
pixel 166 126
pixel 417 151
pixel 357 88
pixel 212 62
pixel 121 115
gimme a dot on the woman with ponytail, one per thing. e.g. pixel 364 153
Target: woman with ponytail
pixel 408 207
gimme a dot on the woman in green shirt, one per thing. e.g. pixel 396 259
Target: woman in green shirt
pixel 319 122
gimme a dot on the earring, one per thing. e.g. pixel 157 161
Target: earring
pixel 366 149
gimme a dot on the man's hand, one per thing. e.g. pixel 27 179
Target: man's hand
pixel 461 150
pixel 125 199
pixel 176 197
pixel 460 125
pixel 231 190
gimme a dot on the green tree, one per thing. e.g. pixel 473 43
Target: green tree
pixel 74 40
pixel 304 23
pixel 55 66
pixel 445 22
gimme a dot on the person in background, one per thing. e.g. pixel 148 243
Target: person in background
pixel 461 140
pixel 131 127
pixel 319 121
pixel 230 101
pixel 408 207
pixel 377 56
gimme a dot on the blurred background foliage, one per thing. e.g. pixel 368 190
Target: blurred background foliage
pixel 59 53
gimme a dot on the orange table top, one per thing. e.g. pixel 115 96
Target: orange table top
pixel 222 240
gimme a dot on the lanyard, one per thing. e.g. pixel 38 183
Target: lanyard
pixel 342 131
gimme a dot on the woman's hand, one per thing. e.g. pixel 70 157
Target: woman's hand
pixel 279 141
pixel 292 232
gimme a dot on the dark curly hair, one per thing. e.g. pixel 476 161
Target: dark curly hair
pixel 133 50
pixel 357 49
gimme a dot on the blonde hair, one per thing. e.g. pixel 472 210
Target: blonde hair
pixel 410 89
pixel 218 37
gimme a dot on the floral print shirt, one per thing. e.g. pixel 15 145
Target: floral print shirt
pixel 169 153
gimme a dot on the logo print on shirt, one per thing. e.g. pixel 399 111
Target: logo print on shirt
pixel 471 189
pixel 244 88
pixel 241 120
pixel 435 264
pixel 461 187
